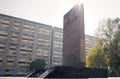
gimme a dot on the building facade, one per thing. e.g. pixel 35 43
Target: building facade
pixel 57 47
pixel 22 41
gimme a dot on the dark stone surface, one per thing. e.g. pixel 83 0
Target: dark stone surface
pixel 74 37
pixel 74 72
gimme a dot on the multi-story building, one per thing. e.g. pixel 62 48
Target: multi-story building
pixel 57 45
pixel 89 42
pixel 22 41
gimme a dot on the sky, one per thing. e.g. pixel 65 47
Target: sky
pixel 51 12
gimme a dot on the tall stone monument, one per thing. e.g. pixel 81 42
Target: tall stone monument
pixel 74 38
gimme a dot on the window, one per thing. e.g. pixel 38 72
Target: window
pixel 43 42
pixel 56 45
pixel 57 36
pixel 44 31
pixel 29 28
pixel 39 54
pixel 21 72
pixel 42 52
pixel 45 55
pixel 55 55
pixel 14 37
pixel 2 32
pixel 3 35
pixel 9 71
pixel 26 50
pixel 2 46
pixel 12 49
pixel 45 51
pixel 10 64
pixel 5 23
pixel 10 58
pixel 22 60
pixel 39 50
pixel 56 42
pixel 56 52
pixel 16 25
pixel 27 37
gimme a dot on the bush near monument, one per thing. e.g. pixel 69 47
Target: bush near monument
pixel 106 52
pixel 37 64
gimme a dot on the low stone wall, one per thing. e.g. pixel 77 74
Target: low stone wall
pixel 72 72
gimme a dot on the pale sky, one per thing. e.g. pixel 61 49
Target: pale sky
pixel 51 12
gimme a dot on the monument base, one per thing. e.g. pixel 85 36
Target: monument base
pixel 73 72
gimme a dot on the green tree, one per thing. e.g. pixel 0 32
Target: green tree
pixel 114 56
pixel 109 34
pixel 96 57
pixel 37 64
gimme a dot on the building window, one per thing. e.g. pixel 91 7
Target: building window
pixel 26 50
pixel 21 72
pixel 10 58
pixel 3 35
pixel 44 31
pixel 12 49
pixel 58 44
pixel 23 62
pixel 29 28
pixel 16 25
pixel 10 64
pixel 9 71
pixel 14 37
pixel 2 47
pixel 27 39
pixel 5 23
pixel 43 42
pixel 58 34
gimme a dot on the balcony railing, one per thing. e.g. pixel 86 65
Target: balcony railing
pixel 1 59
pixel 10 64
pixel 3 33
pixel 20 64
pixel 20 73
pixel 2 45
pixel 13 47
pixel 3 37
pixel 10 59
pixel 22 60
pixel 10 72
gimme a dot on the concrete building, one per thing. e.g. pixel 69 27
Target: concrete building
pixel 22 41
pixel 57 46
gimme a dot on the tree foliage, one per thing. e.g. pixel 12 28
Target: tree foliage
pixel 114 54
pixel 96 57
pixel 37 64
pixel 106 52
